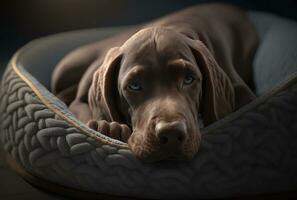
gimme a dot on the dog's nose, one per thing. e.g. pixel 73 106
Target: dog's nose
pixel 171 134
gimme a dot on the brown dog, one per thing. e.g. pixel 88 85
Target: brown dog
pixel 159 77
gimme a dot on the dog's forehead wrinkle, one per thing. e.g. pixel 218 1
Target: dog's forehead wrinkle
pixel 180 62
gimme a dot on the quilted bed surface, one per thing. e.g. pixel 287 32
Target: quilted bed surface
pixel 251 151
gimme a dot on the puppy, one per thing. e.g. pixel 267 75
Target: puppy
pixel 150 84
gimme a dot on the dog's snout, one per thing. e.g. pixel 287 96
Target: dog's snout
pixel 166 140
pixel 171 134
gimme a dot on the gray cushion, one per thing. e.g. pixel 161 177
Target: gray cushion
pixel 276 57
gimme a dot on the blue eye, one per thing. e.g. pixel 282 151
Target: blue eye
pixel 135 86
pixel 188 79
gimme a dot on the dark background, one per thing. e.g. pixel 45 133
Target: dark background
pixel 24 20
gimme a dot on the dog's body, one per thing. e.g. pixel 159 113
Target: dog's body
pixel 212 44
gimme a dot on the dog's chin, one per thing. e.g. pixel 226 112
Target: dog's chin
pixel 157 156
pixel 151 152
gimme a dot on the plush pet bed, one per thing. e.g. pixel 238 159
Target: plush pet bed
pixel 252 151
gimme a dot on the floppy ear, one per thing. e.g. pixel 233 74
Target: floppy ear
pixel 218 92
pixel 104 91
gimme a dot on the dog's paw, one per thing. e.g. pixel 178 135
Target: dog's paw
pixel 112 129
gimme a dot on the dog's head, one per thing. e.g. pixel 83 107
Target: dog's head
pixel 159 82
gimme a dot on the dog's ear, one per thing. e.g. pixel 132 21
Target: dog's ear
pixel 218 92
pixel 103 92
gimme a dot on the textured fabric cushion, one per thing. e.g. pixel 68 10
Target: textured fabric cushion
pixel 276 57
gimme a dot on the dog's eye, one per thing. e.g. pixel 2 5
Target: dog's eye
pixel 135 86
pixel 188 79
